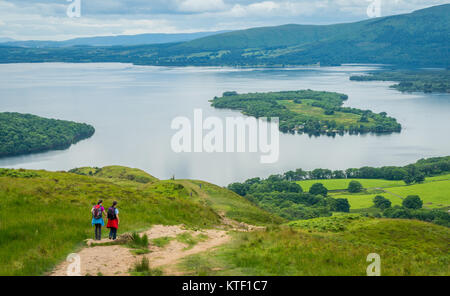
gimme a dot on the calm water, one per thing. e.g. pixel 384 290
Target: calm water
pixel 132 107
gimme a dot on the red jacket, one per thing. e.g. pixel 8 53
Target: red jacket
pixel 113 223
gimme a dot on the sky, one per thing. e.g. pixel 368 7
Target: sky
pixel 50 20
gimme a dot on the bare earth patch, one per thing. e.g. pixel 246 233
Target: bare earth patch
pixel 117 260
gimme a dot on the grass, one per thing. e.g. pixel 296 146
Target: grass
pixel 142 268
pixel 229 203
pixel 46 215
pixel 363 201
pixel 317 248
pixel 347 119
pixel 438 178
pixel 138 242
pixel 189 240
pixel 433 194
pixel 161 242
pixel 329 224
pixel 342 184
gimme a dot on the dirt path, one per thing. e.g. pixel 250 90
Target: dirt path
pixel 118 260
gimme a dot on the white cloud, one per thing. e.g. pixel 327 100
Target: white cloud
pixel 46 19
pixel 201 5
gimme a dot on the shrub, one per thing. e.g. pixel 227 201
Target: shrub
pixel 318 189
pixel 355 187
pixel 342 205
pixel 412 202
pixel 381 202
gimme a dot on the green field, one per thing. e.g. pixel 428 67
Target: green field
pixel 364 201
pixel 341 118
pixel 342 184
pixel 438 178
pixel 331 246
pixel 46 215
pixel 434 192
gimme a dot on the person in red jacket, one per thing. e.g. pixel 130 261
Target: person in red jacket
pixel 113 221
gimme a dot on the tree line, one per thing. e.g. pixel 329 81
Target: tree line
pixel 427 81
pixel 411 208
pixel 412 173
pixel 25 133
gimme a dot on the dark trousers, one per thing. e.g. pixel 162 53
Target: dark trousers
pixel 112 233
pixel 98 231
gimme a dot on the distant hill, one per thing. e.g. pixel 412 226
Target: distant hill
pixel 5 39
pixel 418 39
pixel 125 40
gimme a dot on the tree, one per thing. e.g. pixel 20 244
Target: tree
pixel 318 189
pixel 290 176
pixel 339 175
pixel 238 188
pixel 381 202
pixel 408 179
pixel 342 205
pixel 419 178
pixel 412 202
pixel 355 187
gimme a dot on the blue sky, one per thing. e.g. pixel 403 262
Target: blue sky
pixel 48 20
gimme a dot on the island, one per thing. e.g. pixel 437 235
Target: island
pixel 308 111
pixel 427 81
pixel 25 134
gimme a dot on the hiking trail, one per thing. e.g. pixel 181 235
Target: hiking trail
pixel 102 258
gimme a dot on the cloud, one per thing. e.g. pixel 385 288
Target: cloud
pixel 47 19
pixel 201 5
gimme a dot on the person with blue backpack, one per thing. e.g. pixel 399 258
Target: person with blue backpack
pixel 113 221
pixel 97 219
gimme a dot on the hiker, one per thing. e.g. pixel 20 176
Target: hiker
pixel 97 219
pixel 113 221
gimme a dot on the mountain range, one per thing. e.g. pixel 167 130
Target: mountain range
pixel 123 40
pixel 419 39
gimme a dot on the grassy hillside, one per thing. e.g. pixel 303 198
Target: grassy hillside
pixel 46 215
pixel 331 246
pixel 415 39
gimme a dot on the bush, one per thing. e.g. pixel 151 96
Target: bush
pixel 412 202
pixel 381 202
pixel 433 216
pixel 318 189
pixel 342 205
pixel 355 187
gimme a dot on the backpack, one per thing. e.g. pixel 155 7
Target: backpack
pixel 112 213
pixel 97 212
